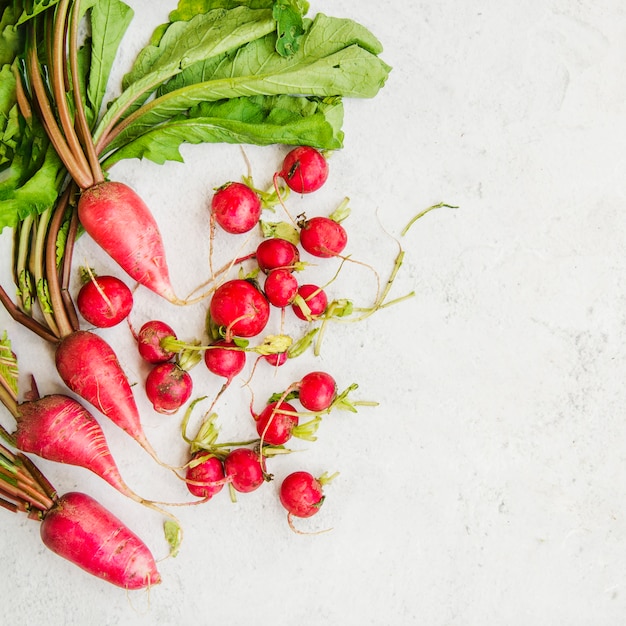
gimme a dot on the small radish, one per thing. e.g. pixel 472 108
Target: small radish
pixel 322 237
pixel 276 359
pixel 168 387
pixel 119 221
pixel 310 302
pixel 104 301
pixel 82 531
pixel 225 359
pixel 316 391
pixel 279 421
pixel 240 307
pixel 243 468
pixel 304 169
pixel 205 475
pixel 149 341
pixel 280 287
pixel 236 208
pixel 302 494
pixel 274 253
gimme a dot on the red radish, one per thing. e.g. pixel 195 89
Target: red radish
pixel 119 221
pixel 150 338
pixel 225 359
pixel 274 253
pixel 280 287
pixel 168 387
pixel 104 301
pixel 243 469
pixel 90 368
pixel 278 422
pixel 236 208
pixel 301 494
pixel 82 531
pixel 323 237
pixel 310 303
pixel 205 475
pixel 276 358
pixel 316 391
pixel 304 169
pixel 240 307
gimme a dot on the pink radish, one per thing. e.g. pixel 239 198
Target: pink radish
pixel 243 469
pixel 274 253
pixel 304 169
pixel 168 387
pixel 82 531
pixel 322 237
pixel 149 341
pixel 119 221
pixel 104 301
pixel 240 307
pixel 205 475
pixel 280 287
pixel 236 208
pixel 310 302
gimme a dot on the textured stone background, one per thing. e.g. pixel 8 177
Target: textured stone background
pixel 488 486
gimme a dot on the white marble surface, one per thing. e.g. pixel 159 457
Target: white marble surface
pixel 488 486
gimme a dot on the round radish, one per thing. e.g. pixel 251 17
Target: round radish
pixel 276 358
pixel 316 391
pixel 104 301
pixel 243 468
pixel 168 387
pixel 274 253
pixel 280 287
pixel 323 237
pixel 149 341
pixel 225 359
pixel 275 424
pixel 304 169
pixel 204 475
pixel 301 494
pixel 240 307
pixel 314 298
pixel 236 208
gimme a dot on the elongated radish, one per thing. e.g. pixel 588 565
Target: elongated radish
pixel 120 222
pixel 81 530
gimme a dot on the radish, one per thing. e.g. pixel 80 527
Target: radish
pixel 310 302
pixel 240 307
pixel 304 169
pixel 276 359
pixel 77 527
pixel 302 494
pixel 317 391
pixel 243 469
pixel 119 221
pixel 279 422
pixel 168 387
pixel 104 301
pixel 236 208
pixel 280 287
pixel 205 475
pixel 322 236
pixel 224 358
pixel 149 341
pixel 274 253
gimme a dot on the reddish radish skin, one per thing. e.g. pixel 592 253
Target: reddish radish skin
pixel 304 169
pixel 275 424
pixel 240 307
pixel 236 208
pixel 301 494
pixel 225 359
pixel 149 339
pixel 243 469
pixel 276 359
pixel 316 300
pixel 323 237
pixel 168 387
pixel 119 221
pixel 82 531
pixel 276 253
pixel 90 368
pixel 316 391
pixel 209 473
pixel 104 301
pixel 60 429
pixel 280 288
